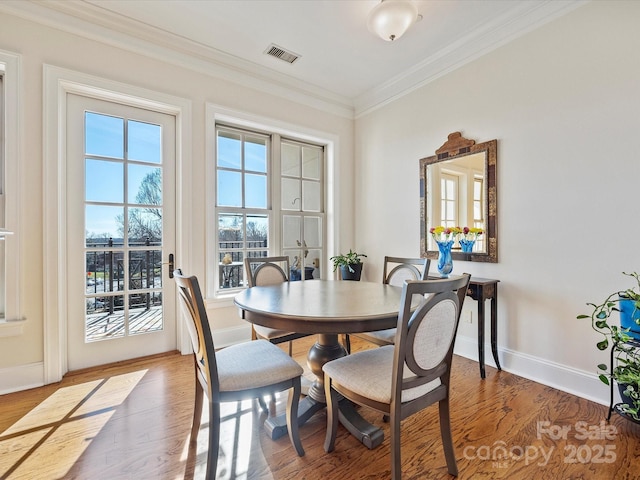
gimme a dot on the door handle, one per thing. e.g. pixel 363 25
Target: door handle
pixel 171 265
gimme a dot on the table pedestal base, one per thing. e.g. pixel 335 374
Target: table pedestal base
pixel 369 435
pixel 276 427
pixel 325 349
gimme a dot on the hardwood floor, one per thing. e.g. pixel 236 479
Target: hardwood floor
pixel 131 421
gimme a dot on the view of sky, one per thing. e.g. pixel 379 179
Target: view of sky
pixel 105 137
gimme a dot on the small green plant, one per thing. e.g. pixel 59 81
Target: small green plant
pixel 351 258
pixel 626 368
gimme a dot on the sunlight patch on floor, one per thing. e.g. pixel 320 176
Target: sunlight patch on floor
pixel 55 433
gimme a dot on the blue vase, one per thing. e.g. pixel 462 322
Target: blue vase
pixel 467 245
pixel 445 262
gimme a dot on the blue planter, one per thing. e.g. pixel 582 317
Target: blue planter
pixel 445 262
pixel 630 317
pixel 467 245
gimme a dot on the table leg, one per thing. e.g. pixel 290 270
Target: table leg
pixel 326 348
pixel 481 335
pixel 494 328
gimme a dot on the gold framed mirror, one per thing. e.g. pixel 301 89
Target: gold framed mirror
pixel 458 188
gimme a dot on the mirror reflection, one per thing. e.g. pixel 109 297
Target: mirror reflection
pixel 458 189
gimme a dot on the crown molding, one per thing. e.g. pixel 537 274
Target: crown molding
pixel 487 37
pixel 89 21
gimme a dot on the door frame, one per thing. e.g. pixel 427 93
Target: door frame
pixel 58 83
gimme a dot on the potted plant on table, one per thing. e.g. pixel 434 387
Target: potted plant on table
pixel 350 265
pixel 625 340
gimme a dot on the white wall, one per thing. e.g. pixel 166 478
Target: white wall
pixel 39 45
pixel 563 103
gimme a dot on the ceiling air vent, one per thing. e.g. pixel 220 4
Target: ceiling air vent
pixel 281 53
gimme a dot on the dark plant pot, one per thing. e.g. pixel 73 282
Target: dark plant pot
pixel 296 274
pixel 308 273
pixel 349 275
pixel 624 398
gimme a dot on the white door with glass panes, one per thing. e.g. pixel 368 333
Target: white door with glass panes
pixel 302 208
pixel 120 231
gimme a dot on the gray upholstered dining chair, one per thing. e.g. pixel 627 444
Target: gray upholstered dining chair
pixel 238 372
pixel 395 271
pixel 269 271
pixel 402 379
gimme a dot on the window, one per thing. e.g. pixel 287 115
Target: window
pixel 269 201
pixel 242 180
pixel 302 207
pixel 478 210
pixel 10 94
pixel 2 198
pixel 449 202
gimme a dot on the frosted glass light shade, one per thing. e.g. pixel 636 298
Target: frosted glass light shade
pixel 390 19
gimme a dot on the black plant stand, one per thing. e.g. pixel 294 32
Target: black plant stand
pixel 618 406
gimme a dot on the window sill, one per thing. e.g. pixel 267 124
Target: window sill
pixel 12 328
pixel 221 300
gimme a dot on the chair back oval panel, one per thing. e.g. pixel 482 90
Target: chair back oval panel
pixel 400 273
pixel 433 334
pixel 269 274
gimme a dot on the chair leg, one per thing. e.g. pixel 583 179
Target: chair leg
pixel 263 405
pixel 272 405
pixel 292 416
pixel 396 460
pixel 214 440
pixel 332 415
pixel 447 439
pixel 346 340
pixel 197 412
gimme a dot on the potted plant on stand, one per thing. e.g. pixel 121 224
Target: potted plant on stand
pixel 350 265
pixel 625 342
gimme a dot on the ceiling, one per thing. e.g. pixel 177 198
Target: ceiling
pixel 341 62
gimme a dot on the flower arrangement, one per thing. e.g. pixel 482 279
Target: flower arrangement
pixel 468 238
pixel 444 234
pixel 471 233
pixel 444 237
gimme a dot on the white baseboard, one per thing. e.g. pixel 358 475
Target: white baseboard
pixel 576 382
pixel 566 379
pixel 23 377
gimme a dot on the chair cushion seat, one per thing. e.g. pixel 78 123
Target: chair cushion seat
pixel 369 373
pixel 254 364
pixel 388 335
pixel 270 333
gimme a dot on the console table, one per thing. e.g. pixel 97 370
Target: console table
pixel 482 289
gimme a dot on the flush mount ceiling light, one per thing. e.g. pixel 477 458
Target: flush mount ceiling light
pixel 390 19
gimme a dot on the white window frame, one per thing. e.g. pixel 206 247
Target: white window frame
pixel 454 202
pixel 233 118
pixel 12 321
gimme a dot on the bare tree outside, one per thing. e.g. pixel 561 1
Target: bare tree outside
pixel 145 221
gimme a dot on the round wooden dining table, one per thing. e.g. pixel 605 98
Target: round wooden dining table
pixel 326 308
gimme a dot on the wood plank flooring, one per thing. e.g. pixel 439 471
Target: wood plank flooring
pixel 131 421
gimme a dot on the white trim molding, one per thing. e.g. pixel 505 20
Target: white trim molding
pixel 560 377
pixel 23 377
pixel 58 83
pixel 11 68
